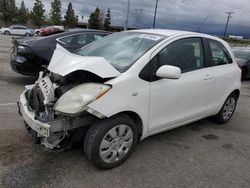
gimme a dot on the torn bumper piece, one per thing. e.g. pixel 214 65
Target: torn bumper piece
pixel 43 129
pixel 53 132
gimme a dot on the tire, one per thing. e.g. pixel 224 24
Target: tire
pixel 227 110
pixel 27 34
pixel 105 147
pixel 6 32
pixel 243 74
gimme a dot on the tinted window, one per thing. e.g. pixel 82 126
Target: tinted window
pixel 187 54
pixel 67 40
pixel 85 39
pixel 220 55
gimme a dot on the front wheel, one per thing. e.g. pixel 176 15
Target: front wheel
pixel 27 34
pixel 6 32
pixel 109 142
pixel 227 109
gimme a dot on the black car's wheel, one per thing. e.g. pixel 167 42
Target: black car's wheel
pixel 109 142
pixel 244 74
pixel 227 109
pixel 6 32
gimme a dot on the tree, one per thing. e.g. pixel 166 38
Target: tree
pixel 37 15
pixel 23 14
pixel 8 10
pixel 55 12
pixel 107 20
pixel 95 20
pixel 70 18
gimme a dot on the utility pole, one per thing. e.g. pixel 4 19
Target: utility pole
pixel 126 22
pixel 228 18
pixel 202 23
pixel 156 5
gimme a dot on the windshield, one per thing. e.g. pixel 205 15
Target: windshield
pixel 242 54
pixel 122 50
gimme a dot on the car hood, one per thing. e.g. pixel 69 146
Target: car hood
pixel 63 62
pixel 241 62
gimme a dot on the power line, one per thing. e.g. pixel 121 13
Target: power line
pixel 228 18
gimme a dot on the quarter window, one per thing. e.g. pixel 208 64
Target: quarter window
pixel 220 55
pixel 67 40
pixel 84 39
pixel 187 54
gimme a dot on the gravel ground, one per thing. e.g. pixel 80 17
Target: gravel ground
pixel 201 154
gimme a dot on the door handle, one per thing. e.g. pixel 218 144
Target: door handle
pixel 208 77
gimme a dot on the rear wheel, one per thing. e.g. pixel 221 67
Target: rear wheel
pixel 6 32
pixel 243 74
pixel 227 109
pixel 109 142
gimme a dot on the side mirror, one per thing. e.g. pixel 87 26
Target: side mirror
pixel 168 71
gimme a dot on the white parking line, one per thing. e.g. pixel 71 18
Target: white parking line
pixel 7 104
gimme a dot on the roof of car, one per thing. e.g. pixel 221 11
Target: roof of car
pixel 166 32
pixel 73 31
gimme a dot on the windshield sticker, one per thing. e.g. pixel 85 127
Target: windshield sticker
pixel 150 37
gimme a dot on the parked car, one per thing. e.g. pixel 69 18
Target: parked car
pixel 243 59
pixel 30 55
pixel 37 31
pixel 17 30
pixel 128 86
pixel 51 30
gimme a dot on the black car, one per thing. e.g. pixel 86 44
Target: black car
pixel 242 55
pixel 30 55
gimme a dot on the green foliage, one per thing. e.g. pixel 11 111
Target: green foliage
pixel 95 19
pixel 55 12
pixel 8 10
pixel 70 18
pixel 22 14
pixel 107 20
pixel 37 15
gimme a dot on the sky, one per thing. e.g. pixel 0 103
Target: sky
pixel 208 16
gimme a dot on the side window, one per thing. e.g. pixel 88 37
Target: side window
pixel 22 28
pixel 67 40
pixel 220 55
pixel 187 54
pixel 97 37
pixel 85 39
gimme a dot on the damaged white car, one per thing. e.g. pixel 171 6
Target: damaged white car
pixel 128 86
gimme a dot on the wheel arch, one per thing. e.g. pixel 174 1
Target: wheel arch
pixel 237 92
pixel 137 119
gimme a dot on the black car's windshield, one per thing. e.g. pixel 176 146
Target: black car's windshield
pixel 122 50
pixel 242 54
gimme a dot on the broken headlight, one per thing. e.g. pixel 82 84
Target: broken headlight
pixel 76 99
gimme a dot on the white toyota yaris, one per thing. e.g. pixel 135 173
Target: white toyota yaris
pixel 128 86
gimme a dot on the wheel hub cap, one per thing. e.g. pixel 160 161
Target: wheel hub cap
pixel 229 108
pixel 116 143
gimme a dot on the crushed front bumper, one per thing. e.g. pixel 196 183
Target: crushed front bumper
pixel 52 133
pixel 42 129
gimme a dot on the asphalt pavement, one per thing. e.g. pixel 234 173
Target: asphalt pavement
pixel 201 154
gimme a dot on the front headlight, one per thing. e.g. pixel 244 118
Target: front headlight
pixel 23 49
pixel 76 99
